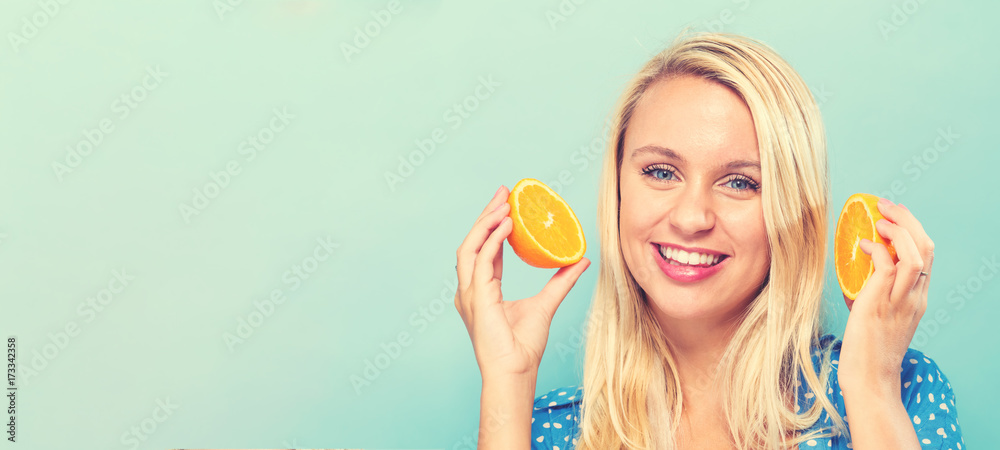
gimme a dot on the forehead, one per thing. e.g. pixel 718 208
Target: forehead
pixel 700 119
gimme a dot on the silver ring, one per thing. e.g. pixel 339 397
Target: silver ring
pixel 921 273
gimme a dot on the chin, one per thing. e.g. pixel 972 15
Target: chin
pixel 683 307
pixel 679 305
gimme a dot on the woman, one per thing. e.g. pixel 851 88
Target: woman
pixel 704 331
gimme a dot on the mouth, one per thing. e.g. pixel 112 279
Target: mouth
pixel 678 257
pixel 685 266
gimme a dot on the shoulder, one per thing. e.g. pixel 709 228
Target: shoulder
pixel 555 418
pixel 924 382
pixel 563 397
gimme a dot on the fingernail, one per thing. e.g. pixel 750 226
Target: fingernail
pixel 884 202
pixel 498 191
pixel 901 206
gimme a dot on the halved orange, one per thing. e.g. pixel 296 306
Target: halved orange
pixel 546 233
pixel 857 221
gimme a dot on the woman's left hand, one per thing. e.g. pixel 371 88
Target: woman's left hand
pixel 885 314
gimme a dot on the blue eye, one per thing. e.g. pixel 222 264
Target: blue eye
pixel 662 174
pixel 742 183
pixel 659 173
pixel 737 182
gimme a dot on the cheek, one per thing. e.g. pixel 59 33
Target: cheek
pixel 746 225
pixel 636 214
pixel 637 219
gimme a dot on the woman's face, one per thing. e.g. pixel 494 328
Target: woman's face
pixel 690 180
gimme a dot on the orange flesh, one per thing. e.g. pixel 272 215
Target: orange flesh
pixel 549 221
pixel 853 265
pixel 545 231
pixel 857 221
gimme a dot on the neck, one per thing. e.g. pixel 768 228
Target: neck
pixel 697 347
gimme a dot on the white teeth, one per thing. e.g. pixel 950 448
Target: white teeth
pixel 677 256
pixel 694 258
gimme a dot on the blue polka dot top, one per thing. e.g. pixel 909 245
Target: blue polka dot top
pixel 926 393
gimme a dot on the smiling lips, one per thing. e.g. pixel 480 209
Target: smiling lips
pixel 688 266
pixel 691 258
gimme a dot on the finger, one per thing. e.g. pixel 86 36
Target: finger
pixel 483 271
pixel 879 284
pixel 499 197
pixel 923 285
pixel 498 261
pixel 474 241
pixel 910 262
pixel 901 215
pixel 926 282
pixel 559 285
pixel 927 251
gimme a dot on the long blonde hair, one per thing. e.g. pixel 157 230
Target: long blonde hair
pixel 632 398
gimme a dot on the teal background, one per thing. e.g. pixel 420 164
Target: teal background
pixel 288 384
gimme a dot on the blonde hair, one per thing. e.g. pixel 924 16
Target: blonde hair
pixel 632 397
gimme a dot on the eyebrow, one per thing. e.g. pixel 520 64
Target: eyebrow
pixel 668 153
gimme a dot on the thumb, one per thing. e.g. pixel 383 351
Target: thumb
pixel 559 285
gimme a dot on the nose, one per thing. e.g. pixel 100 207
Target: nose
pixel 692 212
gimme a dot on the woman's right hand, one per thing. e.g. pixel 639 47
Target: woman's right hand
pixel 508 337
